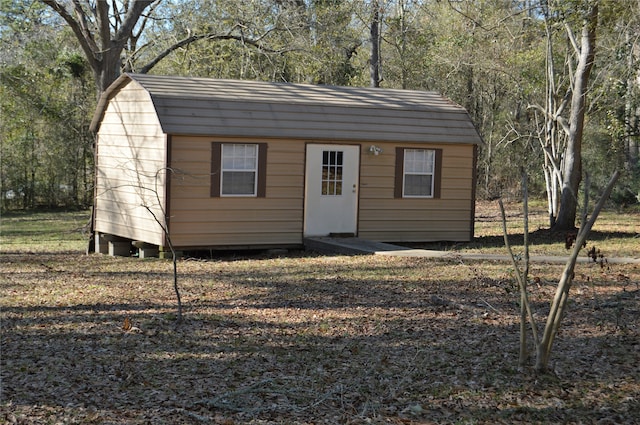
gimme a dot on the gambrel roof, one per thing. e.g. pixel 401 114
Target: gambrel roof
pixel 217 107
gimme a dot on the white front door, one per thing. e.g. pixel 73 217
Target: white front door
pixel 331 190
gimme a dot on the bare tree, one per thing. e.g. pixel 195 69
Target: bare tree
pixel 150 197
pixel 544 343
pixel 553 130
pixel 162 222
pixel 522 276
pixel 561 137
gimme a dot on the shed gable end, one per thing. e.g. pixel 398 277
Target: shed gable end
pixel 131 157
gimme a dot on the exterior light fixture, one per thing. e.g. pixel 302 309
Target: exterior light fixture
pixel 375 150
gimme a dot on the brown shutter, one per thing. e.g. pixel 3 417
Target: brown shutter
pixel 399 173
pixel 437 184
pixel 262 170
pixel 216 168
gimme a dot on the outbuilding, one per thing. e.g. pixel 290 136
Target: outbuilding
pixel 218 164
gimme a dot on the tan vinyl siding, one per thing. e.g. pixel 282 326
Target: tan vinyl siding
pixel 384 218
pixel 197 219
pixel 131 150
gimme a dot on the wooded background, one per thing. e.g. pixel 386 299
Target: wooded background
pixel 513 64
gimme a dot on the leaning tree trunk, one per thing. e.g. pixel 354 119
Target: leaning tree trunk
pixel 561 298
pixel 572 174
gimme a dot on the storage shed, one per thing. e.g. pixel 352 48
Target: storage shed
pixel 248 164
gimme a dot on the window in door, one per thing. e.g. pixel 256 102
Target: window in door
pixel 332 167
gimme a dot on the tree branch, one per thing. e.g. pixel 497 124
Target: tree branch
pixel 572 38
pixel 520 277
pixel 553 116
pixel 81 15
pixel 129 22
pixel 104 27
pixel 198 37
pixel 87 43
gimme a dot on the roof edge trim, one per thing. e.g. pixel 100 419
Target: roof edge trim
pixel 103 101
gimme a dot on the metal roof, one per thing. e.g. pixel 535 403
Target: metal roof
pixel 218 107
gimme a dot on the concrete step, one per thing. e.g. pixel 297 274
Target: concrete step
pixel 349 246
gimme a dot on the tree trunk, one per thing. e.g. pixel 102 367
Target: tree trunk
pixel 103 45
pixel 522 277
pixel 108 71
pixel 524 301
pixel 631 111
pixel 374 65
pixel 572 172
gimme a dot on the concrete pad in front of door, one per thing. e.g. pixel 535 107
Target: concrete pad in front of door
pixel 357 246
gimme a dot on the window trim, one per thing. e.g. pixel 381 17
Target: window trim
pixel 399 176
pixel 216 170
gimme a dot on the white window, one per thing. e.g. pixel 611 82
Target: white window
pixel 418 173
pixel 239 171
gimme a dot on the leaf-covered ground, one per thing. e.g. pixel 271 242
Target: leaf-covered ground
pixel 309 340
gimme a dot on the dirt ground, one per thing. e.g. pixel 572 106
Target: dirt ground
pixel 306 339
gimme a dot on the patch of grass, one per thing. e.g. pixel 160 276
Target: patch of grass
pixel 49 231
pixel 616 233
